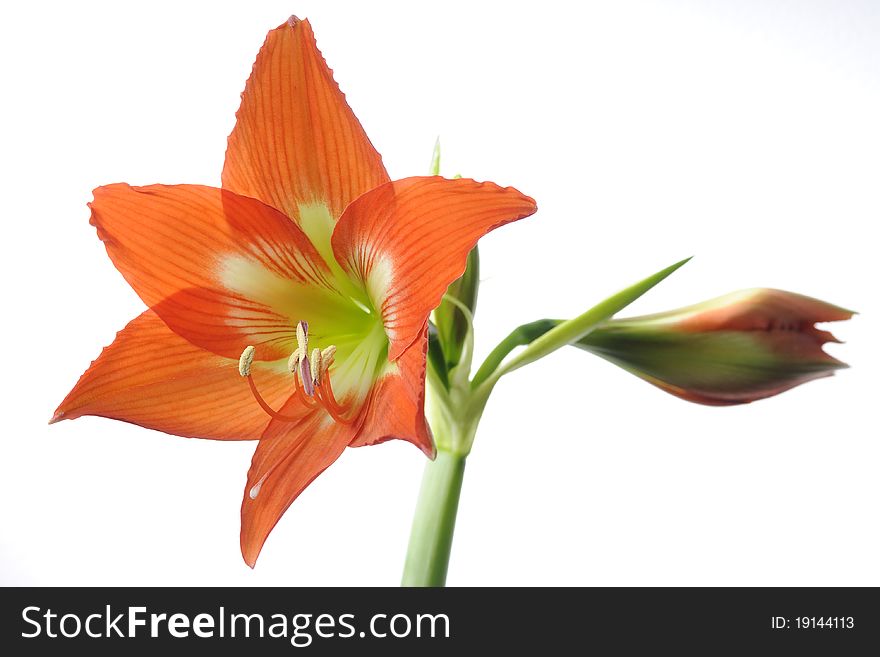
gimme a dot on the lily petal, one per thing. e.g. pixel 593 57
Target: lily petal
pixel 221 270
pixel 152 377
pixel 296 141
pixel 288 458
pixel 397 406
pixel 761 309
pixel 409 239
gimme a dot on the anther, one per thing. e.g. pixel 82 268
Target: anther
pixel 245 360
pixel 316 366
pixel 293 361
pixel 302 337
pixel 327 357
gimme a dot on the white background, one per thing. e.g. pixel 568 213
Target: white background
pixel 745 133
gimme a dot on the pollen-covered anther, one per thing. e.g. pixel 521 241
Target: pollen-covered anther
pixel 293 361
pixel 302 337
pixel 328 355
pixel 317 368
pixel 245 360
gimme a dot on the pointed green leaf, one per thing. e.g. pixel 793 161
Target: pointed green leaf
pixel 573 330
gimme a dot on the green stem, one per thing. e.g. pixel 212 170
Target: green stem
pixel 519 337
pixel 430 541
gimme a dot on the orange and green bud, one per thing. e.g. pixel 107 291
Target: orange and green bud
pixel 731 350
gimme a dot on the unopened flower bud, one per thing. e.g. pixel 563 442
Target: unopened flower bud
pixel 731 350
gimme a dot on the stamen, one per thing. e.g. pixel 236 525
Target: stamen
pixel 265 406
pixel 303 398
pixel 325 392
pixel 312 371
pixel 244 369
pixel 311 378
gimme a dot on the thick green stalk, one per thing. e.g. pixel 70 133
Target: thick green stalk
pixel 430 541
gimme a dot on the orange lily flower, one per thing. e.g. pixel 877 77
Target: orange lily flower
pixel 307 244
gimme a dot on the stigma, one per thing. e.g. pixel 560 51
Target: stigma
pixel 311 378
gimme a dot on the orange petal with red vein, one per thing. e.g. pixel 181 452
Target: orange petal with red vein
pixel 409 239
pixel 201 257
pixel 288 458
pixel 760 309
pixel 152 377
pixel 397 405
pixel 296 140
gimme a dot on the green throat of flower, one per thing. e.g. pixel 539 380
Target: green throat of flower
pixel 340 336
